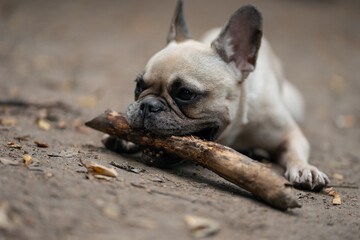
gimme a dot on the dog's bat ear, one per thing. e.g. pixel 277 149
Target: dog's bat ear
pixel 178 28
pixel 240 39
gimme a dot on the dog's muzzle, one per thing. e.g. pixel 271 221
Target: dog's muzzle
pixel 150 106
pixel 137 112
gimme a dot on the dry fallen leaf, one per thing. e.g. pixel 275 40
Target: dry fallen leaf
pixel 331 192
pixel 49 175
pixel 42 145
pixel 88 101
pixel 337 199
pixel 62 125
pixel 201 227
pixel 338 176
pixel 22 138
pixel 96 169
pixel 9 162
pixel 345 121
pixel 27 160
pixel 44 124
pixel 14 145
pixel 8 121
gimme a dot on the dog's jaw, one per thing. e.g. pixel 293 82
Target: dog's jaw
pixel 168 123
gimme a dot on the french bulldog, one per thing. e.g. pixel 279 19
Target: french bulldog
pixel 229 88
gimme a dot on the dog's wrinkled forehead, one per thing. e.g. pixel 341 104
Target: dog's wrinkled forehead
pixel 189 60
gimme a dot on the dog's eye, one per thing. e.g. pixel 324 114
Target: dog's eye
pixel 186 94
pixel 138 90
pixel 140 86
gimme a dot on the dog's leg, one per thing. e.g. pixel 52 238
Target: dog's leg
pixel 293 155
pixel 119 145
pixel 293 101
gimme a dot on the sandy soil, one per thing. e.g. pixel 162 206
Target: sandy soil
pixel 85 54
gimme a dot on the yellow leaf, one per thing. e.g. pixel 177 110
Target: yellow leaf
pixel 49 175
pixel 44 124
pixel 27 160
pixel 14 145
pixel 338 176
pixel 201 227
pixel 8 121
pixel 337 199
pixel 331 192
pixel 99 169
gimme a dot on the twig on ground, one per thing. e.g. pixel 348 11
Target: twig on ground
pixel 343 186
pixel 26 104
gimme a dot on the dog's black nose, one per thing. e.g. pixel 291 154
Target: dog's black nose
pixel 151 105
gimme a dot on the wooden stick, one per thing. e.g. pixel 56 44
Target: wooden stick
pixel 224 161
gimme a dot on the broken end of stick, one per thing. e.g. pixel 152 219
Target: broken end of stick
pixel 285 199
pixel 291 199
pixel 295 204
pixel 98 123
pixel 92 123
pixel 102 122
pixel 89 123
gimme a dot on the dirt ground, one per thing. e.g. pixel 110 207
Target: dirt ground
pixel 73 59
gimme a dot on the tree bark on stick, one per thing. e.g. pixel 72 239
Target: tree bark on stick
pixel 224 161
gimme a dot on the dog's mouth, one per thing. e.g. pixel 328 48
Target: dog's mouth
pixel 159 157
pixel 208 134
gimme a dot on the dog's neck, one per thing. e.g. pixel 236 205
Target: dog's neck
pixel 244 102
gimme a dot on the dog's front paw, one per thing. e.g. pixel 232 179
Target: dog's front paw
pixel 119 145
pixel 160 159
pixel 306 176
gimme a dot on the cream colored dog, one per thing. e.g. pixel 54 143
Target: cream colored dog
pixel 226 88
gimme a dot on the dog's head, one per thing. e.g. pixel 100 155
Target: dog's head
pixel 189 88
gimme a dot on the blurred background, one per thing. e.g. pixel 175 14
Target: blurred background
pixel 87 53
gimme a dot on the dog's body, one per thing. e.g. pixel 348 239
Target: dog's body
pixel 271 104
pixel 213 90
